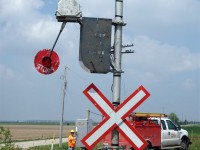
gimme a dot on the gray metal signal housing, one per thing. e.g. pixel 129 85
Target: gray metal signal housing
pixel 95 44
pixel 68 11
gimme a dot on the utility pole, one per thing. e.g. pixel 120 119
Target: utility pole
pixel 118 22
pixel 62 106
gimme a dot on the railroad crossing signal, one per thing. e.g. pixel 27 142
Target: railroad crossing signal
pixel 115 118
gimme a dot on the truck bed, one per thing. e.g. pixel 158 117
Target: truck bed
pixel 151 131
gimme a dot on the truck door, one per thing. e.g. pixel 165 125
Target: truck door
pixel 173 133
pixel 169 134
pixel 164 134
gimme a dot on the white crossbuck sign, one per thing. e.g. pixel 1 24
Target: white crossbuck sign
pixel 115 118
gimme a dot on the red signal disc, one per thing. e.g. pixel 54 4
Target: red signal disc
pixel 46 64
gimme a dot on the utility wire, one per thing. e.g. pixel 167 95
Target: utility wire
pixel 78 75
pixel 95 113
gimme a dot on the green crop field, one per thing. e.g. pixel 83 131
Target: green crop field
pixel 194 134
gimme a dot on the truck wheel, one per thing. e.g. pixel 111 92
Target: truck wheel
pixel 147 148
pixel 184 145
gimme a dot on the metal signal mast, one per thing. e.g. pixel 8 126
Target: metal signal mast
pixel 118 22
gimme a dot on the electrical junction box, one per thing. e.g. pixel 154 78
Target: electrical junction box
pixel 83 127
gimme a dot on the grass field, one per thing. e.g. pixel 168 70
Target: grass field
pixel 194 134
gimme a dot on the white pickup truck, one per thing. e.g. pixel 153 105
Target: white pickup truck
pixel 159 131
pixel 172 136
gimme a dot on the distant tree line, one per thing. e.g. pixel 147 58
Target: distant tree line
pixel 176 120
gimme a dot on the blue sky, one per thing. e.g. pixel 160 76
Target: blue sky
pixel 165 34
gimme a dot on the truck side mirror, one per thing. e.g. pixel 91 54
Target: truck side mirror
pixel 178 127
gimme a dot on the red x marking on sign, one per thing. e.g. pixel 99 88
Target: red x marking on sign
pixel 115 118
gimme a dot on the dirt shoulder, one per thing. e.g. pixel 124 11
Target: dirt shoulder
pixel 36 132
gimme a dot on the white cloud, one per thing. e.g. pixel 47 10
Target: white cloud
pixel 186 61
pixel 16 10
pixel 7 73
pixel 97 8
pixel 43 29
pixel 189 84
pixel 154 61
pixel 165 11
pixel 174 21
pixel 169 58
pixel 24 26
